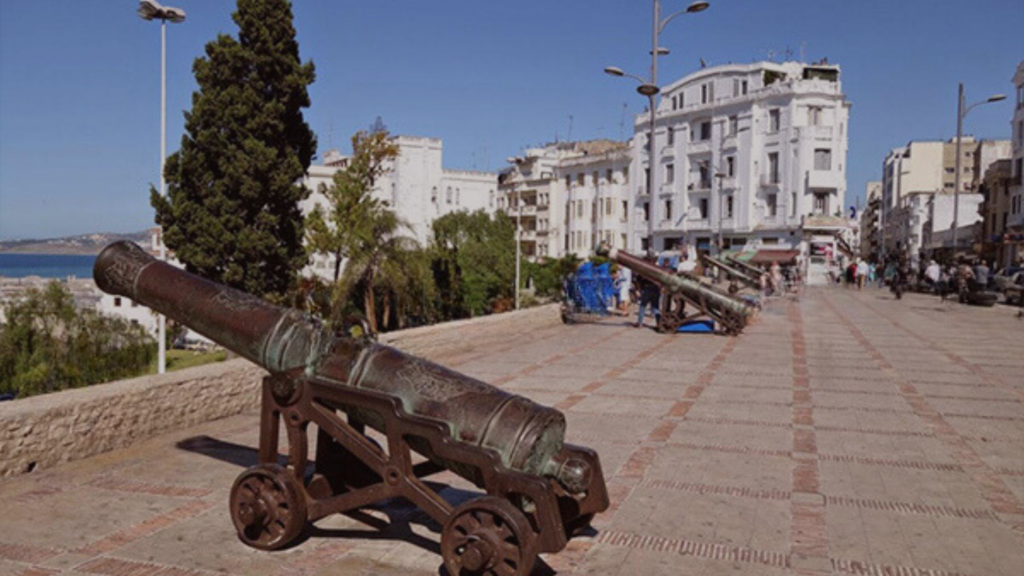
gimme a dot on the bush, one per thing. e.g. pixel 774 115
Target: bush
pixel 48 345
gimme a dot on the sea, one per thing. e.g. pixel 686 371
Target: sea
pixel 46 265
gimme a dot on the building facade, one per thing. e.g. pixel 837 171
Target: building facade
pixel 415 186
pixel 1013 242
pixel 743 153
pixel 870 222
pixel 569 196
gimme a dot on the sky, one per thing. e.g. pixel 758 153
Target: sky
pixel 80 81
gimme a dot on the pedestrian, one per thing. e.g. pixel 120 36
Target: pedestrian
pixel 981 273
pixel 862 273
pixel 872 272
pixel 625 283
pixel 775 273
pixel 650 294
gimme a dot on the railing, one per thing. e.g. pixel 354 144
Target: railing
pixel 769 180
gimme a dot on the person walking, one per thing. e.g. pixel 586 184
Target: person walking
pixel 862 273
pixel 650 294
pixel 625 283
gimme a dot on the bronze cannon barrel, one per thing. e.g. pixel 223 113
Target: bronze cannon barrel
pixel 740 275
pixel 680 283
pixel 527 435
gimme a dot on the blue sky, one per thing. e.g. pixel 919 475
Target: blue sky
pixel 79 81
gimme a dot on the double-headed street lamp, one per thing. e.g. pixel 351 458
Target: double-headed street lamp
pixel 649 88
pixel 961 113
pixel 152 10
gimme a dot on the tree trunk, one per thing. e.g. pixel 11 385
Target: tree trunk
pixel 337 266
pixel 368 299
pixel 387 311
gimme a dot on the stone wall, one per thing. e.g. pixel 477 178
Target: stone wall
pixel 42 431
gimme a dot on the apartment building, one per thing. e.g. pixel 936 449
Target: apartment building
pixel 416 186
pixel 1014 231
pixel 568 196
pixel 870 222
pixel 743 154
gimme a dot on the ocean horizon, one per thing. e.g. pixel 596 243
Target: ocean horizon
pixel 46 265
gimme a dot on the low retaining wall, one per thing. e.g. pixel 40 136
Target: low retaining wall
pixel 43 431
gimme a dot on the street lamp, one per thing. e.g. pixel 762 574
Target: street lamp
pixel 649 88
pixel 152 10
pixel 961 113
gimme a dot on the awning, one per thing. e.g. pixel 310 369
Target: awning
pixel 783 257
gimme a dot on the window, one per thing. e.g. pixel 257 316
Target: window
pixel 773 205
pixel 625 210
pixel 647 176
pixel 579 209
pixel 608 175
pixel 773 167
pixel 704 94
pixel 822 159
pixel 490 196
pixel 705 130
pixel 671 136
pixel 821 203
pixel 625 175
pixel 117 302
pixel 675 103
pixel 950 170
pixel 647 211
pixel 774 120
pixel 814 115
pixel 735 87
pixel 668 209
pixel 743 87
pixel 433 195
pixel 458 197
pixel 581 178
pixel 703 205
pixel 670 173
pixel 792 205
pixel 728 206
pixel 734 125
pixel 608 205
pixel 704 174
pixel 730 166
pixel 448 195
pixel 568 182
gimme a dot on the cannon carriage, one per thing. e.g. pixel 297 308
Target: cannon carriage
pixel 539 490
pixel 680 289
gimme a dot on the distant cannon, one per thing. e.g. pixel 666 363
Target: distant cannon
pixel 679 289
pixel 735 274
pixel 540 490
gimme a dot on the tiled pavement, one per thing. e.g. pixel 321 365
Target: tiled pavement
pixel 846 433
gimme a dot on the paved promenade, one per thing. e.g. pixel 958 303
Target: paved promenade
pixel 844 433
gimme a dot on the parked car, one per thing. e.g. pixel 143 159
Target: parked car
pixel 1005 277
pixel 1013 292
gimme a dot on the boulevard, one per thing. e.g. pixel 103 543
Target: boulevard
pixel 843 432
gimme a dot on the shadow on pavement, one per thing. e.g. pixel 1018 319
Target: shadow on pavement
pixel 401 514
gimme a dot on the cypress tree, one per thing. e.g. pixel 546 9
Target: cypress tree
pixel 232 212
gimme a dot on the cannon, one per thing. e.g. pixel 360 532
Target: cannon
pixel 753 271
pixel 679 289
pixel 540 490
pixel 734 274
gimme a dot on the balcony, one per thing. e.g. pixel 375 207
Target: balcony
pixel 770 181
pixel 824 179
pixel 668 151
pixel 816 132
pixel 699 186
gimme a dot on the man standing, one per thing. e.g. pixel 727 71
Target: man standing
pixel 981 272
pixel 862 273
pixel 650 294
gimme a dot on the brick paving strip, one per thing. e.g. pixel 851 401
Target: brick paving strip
pixel 992 488
pixel 808 536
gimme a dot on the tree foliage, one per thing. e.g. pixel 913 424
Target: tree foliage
pixel 47 345
pixel 346 222
pixel 232 212
pixel 473 262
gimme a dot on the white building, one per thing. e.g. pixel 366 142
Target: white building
pixel 1015 221
pixel 568 197
pixel 416 187
pixel 744 151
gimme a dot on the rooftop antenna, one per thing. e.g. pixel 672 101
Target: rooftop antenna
pixel 803 51
pixel 622 123
pixel 703 64
pixel 770 53
pixel 569 137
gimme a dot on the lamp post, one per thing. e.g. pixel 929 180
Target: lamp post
pixel 152 10
pixel 649 88
pixel 961 113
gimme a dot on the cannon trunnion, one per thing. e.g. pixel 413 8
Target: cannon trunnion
pixel 540 491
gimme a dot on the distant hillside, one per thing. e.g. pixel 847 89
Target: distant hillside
pixel 83 244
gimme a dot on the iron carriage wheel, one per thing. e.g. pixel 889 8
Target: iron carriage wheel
pixel 268 507
pixel 488 536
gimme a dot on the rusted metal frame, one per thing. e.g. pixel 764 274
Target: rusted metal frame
pixel 269 426
pixel 497 479
pixel 745 266
pixel 732 272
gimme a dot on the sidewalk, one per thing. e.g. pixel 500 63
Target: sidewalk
pixel 844 433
